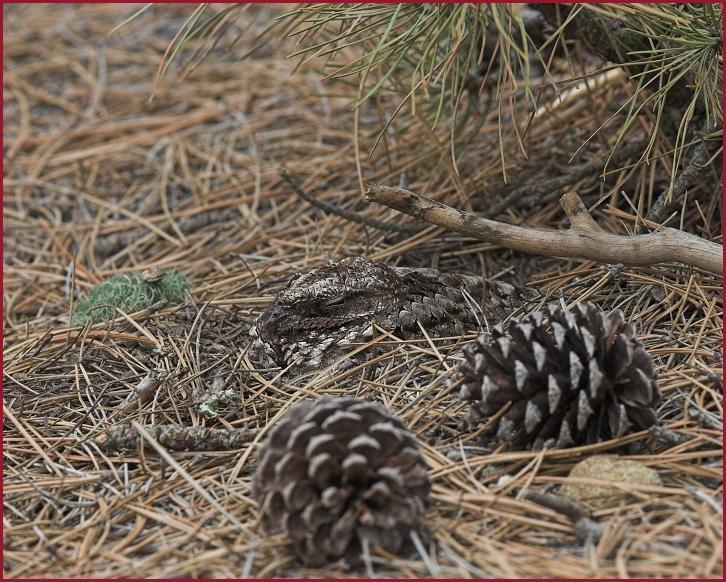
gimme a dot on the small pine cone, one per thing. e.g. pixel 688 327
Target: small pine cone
pixel 337 470
pixel 572 378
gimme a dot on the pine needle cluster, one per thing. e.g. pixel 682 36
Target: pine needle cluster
pixel 430 55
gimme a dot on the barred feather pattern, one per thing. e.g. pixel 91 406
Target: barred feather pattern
pixel 329 311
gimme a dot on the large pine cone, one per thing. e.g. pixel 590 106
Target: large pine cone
pixel 337 470
pixel 572 378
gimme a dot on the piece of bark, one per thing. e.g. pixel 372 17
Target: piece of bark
pixel 176 437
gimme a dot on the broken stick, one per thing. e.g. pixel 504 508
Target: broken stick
pixel 584 239
pixel 585 529
pixel 176 437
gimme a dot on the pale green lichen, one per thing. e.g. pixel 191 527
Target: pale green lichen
pixel 212 402
pixel 128 292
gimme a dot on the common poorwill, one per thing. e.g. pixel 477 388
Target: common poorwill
pixel 329 311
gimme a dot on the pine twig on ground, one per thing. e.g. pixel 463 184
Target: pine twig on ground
pixel 330 209
pixel 176 437
pixel 584 527
pixel 668 199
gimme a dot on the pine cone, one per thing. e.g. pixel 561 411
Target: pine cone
pixel 571 378
pixel 336 471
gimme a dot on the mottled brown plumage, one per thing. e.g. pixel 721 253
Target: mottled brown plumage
pixel 322 314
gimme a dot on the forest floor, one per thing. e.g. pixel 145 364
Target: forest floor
pixel 101 180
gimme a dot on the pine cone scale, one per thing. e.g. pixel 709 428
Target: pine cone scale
pixel 338 473
pixel 567 377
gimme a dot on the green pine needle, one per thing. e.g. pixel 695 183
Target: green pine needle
pixel 683 44
pixel 424 53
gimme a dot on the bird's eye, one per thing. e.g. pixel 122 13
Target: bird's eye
pixel 332 302
pixel 293 278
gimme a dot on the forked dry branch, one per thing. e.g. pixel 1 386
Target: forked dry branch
pixel 584 240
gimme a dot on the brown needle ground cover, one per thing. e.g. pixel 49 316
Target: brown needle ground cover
pixel 100 181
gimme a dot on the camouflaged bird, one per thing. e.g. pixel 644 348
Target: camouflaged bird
pixel 321 315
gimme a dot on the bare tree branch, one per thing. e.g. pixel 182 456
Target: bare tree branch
pixel 583 240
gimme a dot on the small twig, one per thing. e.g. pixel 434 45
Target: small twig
pixel 542 189
pixel 704 417
pixel 571 509
pixel 667 436
pixel 352 216
pixel 582 240
pixel 176 437
pixel 694 171
pixel 585 528
pixel 578 215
